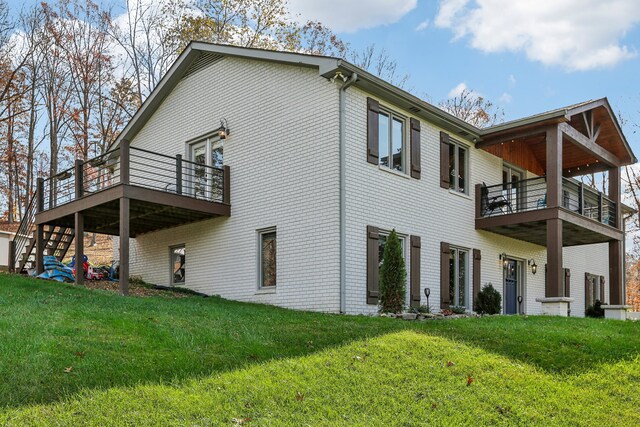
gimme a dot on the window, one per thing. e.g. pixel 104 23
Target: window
pixel 593 289
pixel 391 144
pixel 382 240
pixel 267 263
pixel 177 265
pixel 206 153
pixel 458 175
pixel 458 262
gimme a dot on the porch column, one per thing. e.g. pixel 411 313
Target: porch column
pixel 124 245
pixel 555 302
pixel 555 272
pixel 39 227
pixel 79 246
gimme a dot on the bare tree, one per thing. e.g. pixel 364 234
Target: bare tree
pixel 473 109
pixel 378 62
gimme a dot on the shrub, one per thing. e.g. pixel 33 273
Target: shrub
pixel 488 301
pixel 595 310
pixel 457 309
pixel 393 276
pixel 423 309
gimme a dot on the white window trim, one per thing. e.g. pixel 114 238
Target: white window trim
pixel 265 289
pixel 394 114
pixel 171 272
pixel 467 162
pixel 468 251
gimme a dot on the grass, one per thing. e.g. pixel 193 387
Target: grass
pixel 207 361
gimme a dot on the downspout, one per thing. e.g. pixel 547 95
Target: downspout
pixel 342 203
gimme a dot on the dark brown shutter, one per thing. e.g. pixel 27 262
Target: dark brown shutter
pixel 602 283
pixel 477 257
pixel 415 271
pixel 444 160
pixel 372 264
pixel 587 291
pixel 567 282
pixel 373 130
pixel 415 148
pixel 445 252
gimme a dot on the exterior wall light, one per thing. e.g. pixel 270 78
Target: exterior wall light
pixel 504 258
pixel 223 131
pixel 534 266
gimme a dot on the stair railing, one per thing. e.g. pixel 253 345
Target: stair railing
pixel 24 233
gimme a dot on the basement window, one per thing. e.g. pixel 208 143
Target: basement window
pixel 267 263
pixel 177 265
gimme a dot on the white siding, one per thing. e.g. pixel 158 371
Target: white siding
pixel 387 200
pixel 283 155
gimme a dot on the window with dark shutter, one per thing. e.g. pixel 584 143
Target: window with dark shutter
pixel 373 137
pixel 415 149
pixel 477 257
pixel 372 264
pixel 415 271
pixel 444 160
pixel 445 252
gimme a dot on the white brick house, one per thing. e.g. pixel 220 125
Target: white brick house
pixel 311 192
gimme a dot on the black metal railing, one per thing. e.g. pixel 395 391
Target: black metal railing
pixel 137 167
pixel 531 194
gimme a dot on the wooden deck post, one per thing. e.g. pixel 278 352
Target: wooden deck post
pixel 124 245
pixel 178 173
pixel 125 165
pixel 12 256
pixel 40 227
pixel 226 188
pixel 79 172
pixel 79 241
pixel 554 166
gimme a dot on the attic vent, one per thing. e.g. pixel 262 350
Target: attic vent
pixel 414 110
pixel 463 133
pixel 201 63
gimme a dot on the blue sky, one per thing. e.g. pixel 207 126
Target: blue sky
pixel 526 56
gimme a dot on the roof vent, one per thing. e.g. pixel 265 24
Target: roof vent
pixel 414 109
pixel 464 133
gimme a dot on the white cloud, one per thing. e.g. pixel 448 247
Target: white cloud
pixel 512 81
pixel 573 34
pixel 423 25
pixel 351 16
pixel 457 91
pixel 505 98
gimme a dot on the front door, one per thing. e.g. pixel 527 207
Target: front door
pixel 511 287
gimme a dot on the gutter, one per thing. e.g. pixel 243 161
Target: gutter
pixel 342 185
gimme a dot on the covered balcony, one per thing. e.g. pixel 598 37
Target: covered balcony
pixel 544 203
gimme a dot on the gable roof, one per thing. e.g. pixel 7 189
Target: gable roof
pixel 328 67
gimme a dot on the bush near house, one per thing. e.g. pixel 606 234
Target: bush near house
pixel 71 356
pixel 393 276
pixel 488 301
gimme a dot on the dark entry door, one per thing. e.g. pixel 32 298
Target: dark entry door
pixel 511 287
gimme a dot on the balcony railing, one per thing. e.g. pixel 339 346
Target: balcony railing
pixel 531 194
pixel 140 168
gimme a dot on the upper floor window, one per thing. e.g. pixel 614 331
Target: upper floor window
pixel 392 141
pixel 458 167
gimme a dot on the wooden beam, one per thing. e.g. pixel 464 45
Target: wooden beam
pixel 555 270
pixel 589 145
pixel 79 231
pixel 509 137
pixel 124 246
pixel 554 166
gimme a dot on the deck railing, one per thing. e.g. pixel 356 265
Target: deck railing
pixel 136 167
pixel 531 194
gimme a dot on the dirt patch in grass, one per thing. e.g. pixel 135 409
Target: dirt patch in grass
pixel 137 289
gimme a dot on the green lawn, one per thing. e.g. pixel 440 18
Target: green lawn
pixel 71 356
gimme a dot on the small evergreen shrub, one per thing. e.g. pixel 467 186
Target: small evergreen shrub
pixel 595 310
pixel 488 301
pixel 423 309
pixel 393 276
pixel 456 309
